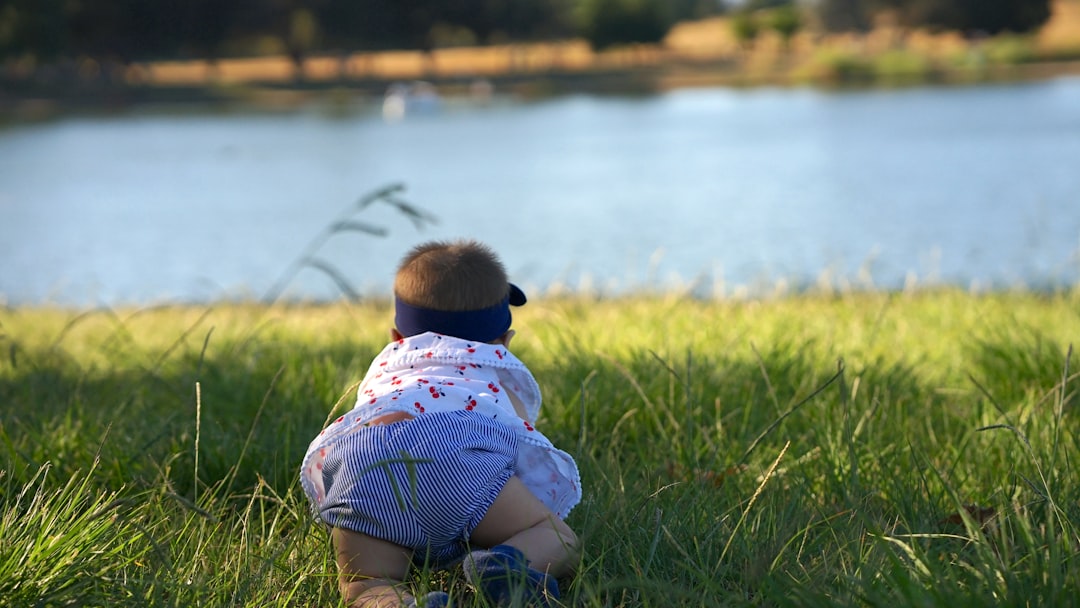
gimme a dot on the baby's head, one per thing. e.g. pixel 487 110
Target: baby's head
pixel 454 288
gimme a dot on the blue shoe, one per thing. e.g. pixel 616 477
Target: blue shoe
pixel 503 576
pixel 435 599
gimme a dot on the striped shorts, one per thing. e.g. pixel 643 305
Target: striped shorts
pixel 423 484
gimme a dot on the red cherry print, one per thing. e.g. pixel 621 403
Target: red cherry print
pixel 471 349
pixel 429 354
pixel 528 427
pixel 471 403
pixel 419 407
pixel 339 420
pixel 492 387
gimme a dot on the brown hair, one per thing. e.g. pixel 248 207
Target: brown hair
pixel 451 276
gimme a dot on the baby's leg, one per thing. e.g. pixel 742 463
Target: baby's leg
pixel 517 518
pixel 528 547
pixel 371 571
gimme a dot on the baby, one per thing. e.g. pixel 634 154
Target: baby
pixel 439 463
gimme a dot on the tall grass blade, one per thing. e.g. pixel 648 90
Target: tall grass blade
pixel 753 499
pixel 345 223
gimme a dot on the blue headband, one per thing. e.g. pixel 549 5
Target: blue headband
pixel 484 325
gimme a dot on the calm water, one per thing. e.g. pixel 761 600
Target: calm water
pixel 970 186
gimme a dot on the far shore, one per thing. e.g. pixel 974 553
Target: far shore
pixel 694 54
pixel 35 101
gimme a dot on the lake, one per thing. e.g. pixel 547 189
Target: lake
pixel 717 191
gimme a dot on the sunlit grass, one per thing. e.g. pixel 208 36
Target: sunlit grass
pixel 839 449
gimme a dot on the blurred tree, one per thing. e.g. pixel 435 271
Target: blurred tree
pixel 492 21
pixel 373 24
pixel 543 20
pixel 209 24
pixel 291 23
pixel 848 15
pixel 968 16
pixel 303 32
pixel 123 30
pixel 785 21
pixel 745 28
pixel 756 5
pixel 127 30
pixel 972 16
pixel 34 28
pixel 683 10
pixel 420 24
pixel 607 23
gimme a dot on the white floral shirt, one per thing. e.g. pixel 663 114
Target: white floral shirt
pixel 431 373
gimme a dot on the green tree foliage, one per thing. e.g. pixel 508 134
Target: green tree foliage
pixel 745 28
pixel 33 27
pixel 500 20
pixel 785 21
pixel 968 16
pixel 757 5
pixel 374 24
pixel 607 23
pixel 383 24
pixel 129 30
pixel 846 15
pixel 119 30
pixel 122 30
pixel 697 9
pixel 973 16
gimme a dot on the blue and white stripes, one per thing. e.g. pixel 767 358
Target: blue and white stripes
pixel 423 484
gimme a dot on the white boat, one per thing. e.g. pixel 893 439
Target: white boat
pixel 405 99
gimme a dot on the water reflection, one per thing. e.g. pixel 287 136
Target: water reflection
pixel 733 189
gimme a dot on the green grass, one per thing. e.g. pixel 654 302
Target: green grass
pixel 996 58
pixel 807 451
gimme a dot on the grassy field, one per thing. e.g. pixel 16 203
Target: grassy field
pixel 878 449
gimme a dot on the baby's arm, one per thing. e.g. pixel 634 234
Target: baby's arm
pixel 519 407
